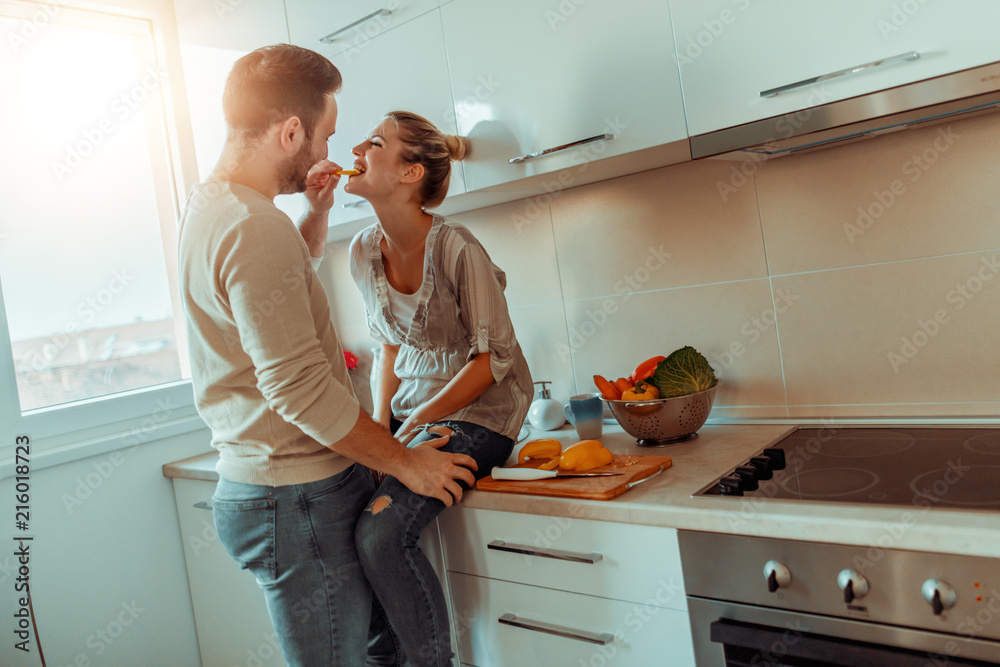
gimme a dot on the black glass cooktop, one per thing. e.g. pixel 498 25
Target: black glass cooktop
pixel 942 467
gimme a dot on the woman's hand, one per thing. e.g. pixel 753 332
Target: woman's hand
pixel 411 428
pixel 408 430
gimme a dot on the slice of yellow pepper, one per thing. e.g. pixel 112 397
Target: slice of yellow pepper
pixel 595 460
pixel 582 452
pixel 546 448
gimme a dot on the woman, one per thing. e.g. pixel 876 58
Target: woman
pixel 449 364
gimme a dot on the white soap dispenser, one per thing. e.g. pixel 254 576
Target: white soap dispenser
pixel 545 413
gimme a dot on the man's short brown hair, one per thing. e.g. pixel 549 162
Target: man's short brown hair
pixel 276 82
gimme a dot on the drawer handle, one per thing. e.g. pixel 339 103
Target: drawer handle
pixel 602 638
pixel 500 545
pixel 902 57
pixel 333 35
pixel 203 506
pixel 355 204
pixel 550 151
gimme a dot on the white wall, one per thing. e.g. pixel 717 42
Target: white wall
pixel 107 550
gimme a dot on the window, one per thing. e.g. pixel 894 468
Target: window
pixel 93 326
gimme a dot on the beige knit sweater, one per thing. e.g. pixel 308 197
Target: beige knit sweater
pixel 266 363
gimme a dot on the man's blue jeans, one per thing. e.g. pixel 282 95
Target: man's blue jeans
pixel 298 541
pixel 409 598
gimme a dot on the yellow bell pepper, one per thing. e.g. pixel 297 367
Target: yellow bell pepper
pixel 585 455
pixel 643 391
pixel 545 448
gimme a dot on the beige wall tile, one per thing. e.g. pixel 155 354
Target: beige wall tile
pixel 905 333
pixel 922 411
pixel 920 193
pixel 541 331
pixel 357 340
pixel 611 336
pixel 518 238
pixel 347 308
pixel 609 235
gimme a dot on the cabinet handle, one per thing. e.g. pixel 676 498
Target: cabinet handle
pixel 500 545
pixel 602 638
pixel 550 151
pixel 333 35
pixel 902 57
pixel 203 506
pixel 355 204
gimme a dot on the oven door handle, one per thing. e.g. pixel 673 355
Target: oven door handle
pixel 748 643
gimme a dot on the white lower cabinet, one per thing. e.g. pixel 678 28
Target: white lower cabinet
pixel 229 611
pixel 544 590
pixel 504 623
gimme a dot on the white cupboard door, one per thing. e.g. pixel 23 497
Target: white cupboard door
pixel 531 76
pixel 731 51
pixel 239 25
pixel 502 623
pixel 230 614
pixel 606 559
pixel 404 69
pixel 346 25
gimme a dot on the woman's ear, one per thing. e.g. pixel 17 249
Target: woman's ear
pixel 414 173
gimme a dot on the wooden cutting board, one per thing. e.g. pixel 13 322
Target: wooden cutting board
pixel 585 488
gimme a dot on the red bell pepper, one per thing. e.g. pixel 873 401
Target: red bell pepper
pixel 645 369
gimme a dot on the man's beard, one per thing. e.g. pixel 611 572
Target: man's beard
pixel 293 171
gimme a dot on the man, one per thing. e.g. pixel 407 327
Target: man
pixel 268 369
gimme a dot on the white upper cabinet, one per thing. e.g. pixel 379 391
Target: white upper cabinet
pixel 405 68
pixel 731 51
pixel 237 25
pixel 344 25
pixel 530 76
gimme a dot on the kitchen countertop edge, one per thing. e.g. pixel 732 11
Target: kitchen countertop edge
pixel 667 500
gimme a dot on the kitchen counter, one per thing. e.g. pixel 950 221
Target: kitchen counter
pixel 665 500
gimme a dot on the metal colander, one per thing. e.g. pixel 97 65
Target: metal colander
pixel 664 421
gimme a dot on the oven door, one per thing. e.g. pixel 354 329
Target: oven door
pixel 734 635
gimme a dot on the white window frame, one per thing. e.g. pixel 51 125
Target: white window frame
pixel 64 433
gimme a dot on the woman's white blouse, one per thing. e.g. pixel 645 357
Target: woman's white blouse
pixel 461 312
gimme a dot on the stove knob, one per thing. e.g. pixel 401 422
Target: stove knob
pixel 731 486
pixel 763 466
pixel 853 584
pixel 778 576
pixel 939 594
pixel 777 456
pixel 748 478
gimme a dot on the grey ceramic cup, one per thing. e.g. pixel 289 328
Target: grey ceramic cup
pixel 586 413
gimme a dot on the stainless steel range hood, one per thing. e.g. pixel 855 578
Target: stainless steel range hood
pixel 951 96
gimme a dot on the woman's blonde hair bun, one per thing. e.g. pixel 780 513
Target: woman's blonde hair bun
pixel 457 146
pixel 422 143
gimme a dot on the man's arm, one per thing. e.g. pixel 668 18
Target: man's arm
pixel 423 470
pixel 266 283
pixel 320 184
